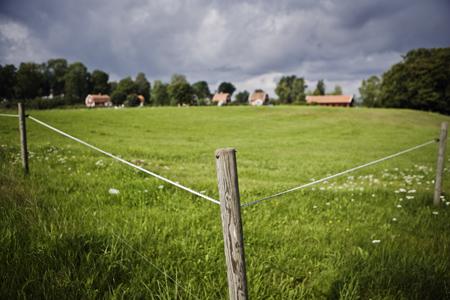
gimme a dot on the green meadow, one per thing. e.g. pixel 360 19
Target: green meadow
pixel 371 234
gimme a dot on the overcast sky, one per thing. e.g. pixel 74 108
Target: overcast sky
pixel 249 43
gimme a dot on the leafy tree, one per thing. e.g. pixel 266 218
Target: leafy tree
pixel 29 80
pixel 180 91
pixel 56 70
pixel 337 90
pixel 420 81
pixel 7 81
pixel 291 89
pixel 201 90
pixel 242 97
pixel 143 86
pixel 159 93
pixel 370 91
pixel 226 87
pixel 76 83
pixel 320 88
pixel 99 82
pixel 125 87
pixel 132 100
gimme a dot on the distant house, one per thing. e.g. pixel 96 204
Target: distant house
pixel 331 100
pixel 141 100
pixel 258 98
pixel 98 100
pixel 221 98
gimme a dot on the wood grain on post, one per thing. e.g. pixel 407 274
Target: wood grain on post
pixel 440 164
pixel 23 137
pixel 230 208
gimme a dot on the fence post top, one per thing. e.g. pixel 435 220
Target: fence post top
pixel 219 152
pixel 444 124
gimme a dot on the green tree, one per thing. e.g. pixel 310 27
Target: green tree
pixel 201 90
pixel 159 94
pixel 370 91
pixel 99 82
pixel 226 87
pixel 125 87
pixel 180 91
pixel 7 81
pixel 242 97
pixel 337 90
pixel 76 83
pixel 29 80
pixel 143 87
pixel 291 89
pixel 320 88
pixel 420 81
pixel 57 69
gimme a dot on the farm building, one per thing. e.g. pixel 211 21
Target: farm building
pixel 141 100
pixel 258 98
pixel 331 100
pixel 98 100
pixel 221 98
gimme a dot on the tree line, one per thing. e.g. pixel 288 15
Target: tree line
pixel 420 81
pixel 56 82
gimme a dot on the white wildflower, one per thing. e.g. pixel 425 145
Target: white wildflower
pixel 160 187
pixel 411 191
pixel 399 206
pixel 435 213
pixel 376 241
pixel 409 197
pixel 394 219
pixel 113 191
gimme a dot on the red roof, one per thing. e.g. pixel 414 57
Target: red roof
pixel 221 97
pixel 330 99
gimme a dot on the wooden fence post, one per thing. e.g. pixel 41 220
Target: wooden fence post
pixel 23 137
pixel 230 208
pixel 440 164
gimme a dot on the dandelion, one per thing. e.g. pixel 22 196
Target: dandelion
pixel 113 191
pixel 376 241
pixel 435 213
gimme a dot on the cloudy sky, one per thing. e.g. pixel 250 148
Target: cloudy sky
pixel 250 43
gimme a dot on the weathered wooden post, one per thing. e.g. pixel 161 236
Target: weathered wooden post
pixel 230 207
pixel 440 164
pixel 23 137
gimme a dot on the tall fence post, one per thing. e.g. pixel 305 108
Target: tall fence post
pixel 230 208
pixel 23 137
pixel 440 164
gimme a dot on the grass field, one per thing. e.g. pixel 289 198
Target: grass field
pixel 372 234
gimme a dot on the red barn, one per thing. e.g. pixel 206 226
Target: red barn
pixel 331 100
pixel 98 100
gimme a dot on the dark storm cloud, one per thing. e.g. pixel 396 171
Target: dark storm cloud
pixel 251 43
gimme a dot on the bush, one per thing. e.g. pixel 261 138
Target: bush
pixel 38 103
